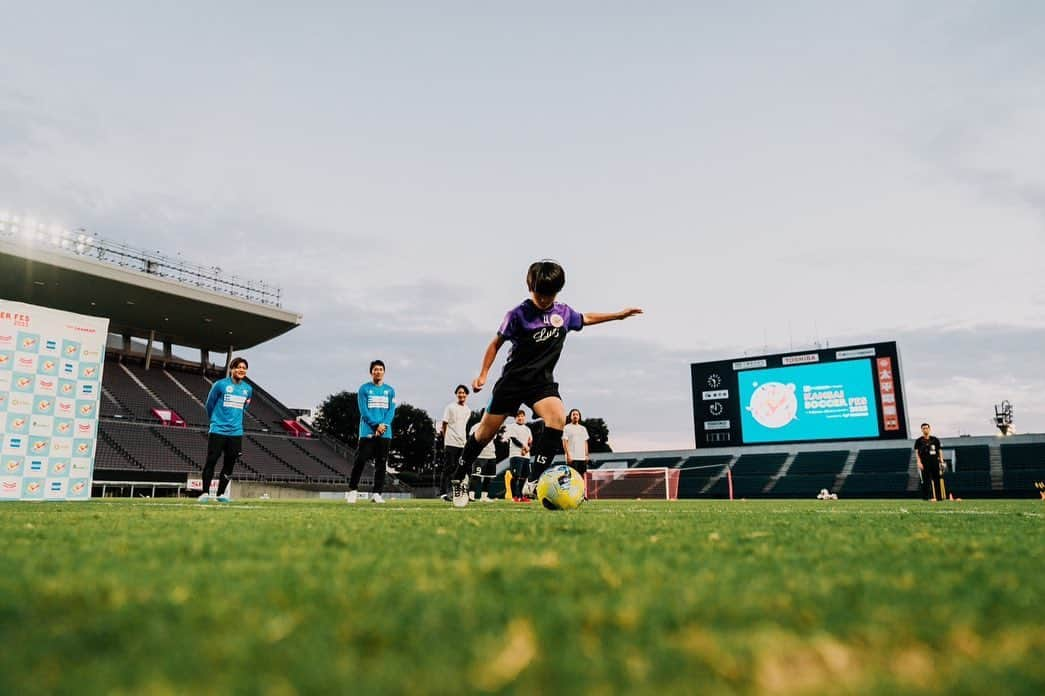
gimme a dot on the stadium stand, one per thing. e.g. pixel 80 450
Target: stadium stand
pixel 814 463
pixel 657 462
pixel 133 441
pixel 882 461
pixel 1023 465
pixel 693 480
pixel 876 485
pixel 763 465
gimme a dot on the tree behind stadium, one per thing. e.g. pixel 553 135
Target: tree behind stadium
pixel 412 429
pixel 598 435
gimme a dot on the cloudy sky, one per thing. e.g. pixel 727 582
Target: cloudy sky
pixel 759 176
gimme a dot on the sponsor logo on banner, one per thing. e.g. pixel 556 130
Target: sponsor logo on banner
pixel 26 363
pixel 59 467
pixel 84 409
pixel 47 385
pixel 5 361
pixel 61 447
pixel 56 488
pixel 28 343
pixel 7 341
pixel 48 366
pixel 90 355
pixel 39 446
pixel 44 405
pixel 42 426
pixel 66 407
pixel 32 488
pixel 748 364
pixel 14 444
pixel 716 425
pixel 714 395
pixel 36 465
pixel 887 392
pixel 80 467
pixel 50 344
pixel 68 368
pixel 855 353
pixel 78 489
pixel 84 428
pixel 70 349
pixel 82 448
pixel 67 387
pixel 24 383
pixel 89 371
pixel 63 427
pixel 20 403
pixel 800 359
pixel 17 423
pixel 86 390
pixel 12 465
pixel 10 488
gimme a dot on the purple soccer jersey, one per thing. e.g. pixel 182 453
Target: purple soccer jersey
pixel 537 337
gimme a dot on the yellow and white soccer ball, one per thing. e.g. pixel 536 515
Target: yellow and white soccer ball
pixel 560 488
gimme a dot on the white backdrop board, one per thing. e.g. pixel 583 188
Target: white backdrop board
pixel 50 387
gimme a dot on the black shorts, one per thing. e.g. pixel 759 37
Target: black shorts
pixel 507 396
pixel 484 467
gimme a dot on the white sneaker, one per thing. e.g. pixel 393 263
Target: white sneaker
pixel 458 494
pixel 376 497
pixel 204 498
pixel 485 498
pixel 529 490
pixel 471 495
pixel 351 497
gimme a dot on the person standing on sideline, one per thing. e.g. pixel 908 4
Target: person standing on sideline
pixel 575 442
pixel 930 460
pixel 377 407
pixel 537 330
pixel 454 433
pixel 484 469
pixel 520 440
pixel 227 401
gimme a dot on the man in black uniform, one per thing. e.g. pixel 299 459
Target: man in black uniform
pixel 930 461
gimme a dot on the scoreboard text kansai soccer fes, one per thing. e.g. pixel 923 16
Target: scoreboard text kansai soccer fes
pixel 823 395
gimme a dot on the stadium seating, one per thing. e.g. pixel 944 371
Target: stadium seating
pixel 882 461
pixel 284 450
pixel 876 485
pixel 657 462
pixel 972 458
pixel 696 472
pixel 132 399
pixel 802 486
pixel 759 464
pixel 1023 465
pixel 172 396
pixel 141 445
pixel 808 463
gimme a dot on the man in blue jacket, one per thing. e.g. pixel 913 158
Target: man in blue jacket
pixel 227 401
pixel 377 407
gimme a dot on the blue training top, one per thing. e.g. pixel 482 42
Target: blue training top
pixel 377 404
pixel 225 405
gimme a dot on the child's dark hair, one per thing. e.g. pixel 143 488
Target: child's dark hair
pixel 545 278
pixel 459 387
pixel 375 363
pixel 236 362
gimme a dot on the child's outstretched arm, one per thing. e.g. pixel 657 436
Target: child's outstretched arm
pixel 599 317
pixel 488 358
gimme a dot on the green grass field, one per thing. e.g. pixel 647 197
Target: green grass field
pixel 619 597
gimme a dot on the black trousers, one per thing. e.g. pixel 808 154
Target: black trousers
pixel 451 455
pixel 217 445
pixel 520 467
pixel 931 484
pixel 375 448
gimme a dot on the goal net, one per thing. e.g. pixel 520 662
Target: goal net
pixel 628 484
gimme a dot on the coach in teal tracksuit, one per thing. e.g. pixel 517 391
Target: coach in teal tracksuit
pixel 227 401
pixel 377 406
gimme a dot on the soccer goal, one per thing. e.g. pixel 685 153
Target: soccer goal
pixel 651 483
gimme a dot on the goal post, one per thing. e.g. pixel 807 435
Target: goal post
pixel 644 483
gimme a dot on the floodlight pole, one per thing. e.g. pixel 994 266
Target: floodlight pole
pixel 148 348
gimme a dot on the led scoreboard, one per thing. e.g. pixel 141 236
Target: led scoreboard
pixel 850 393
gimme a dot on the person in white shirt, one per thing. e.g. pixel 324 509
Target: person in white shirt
pixel 575 442
pixel 520 439
pixel 454 432
pixel 483 469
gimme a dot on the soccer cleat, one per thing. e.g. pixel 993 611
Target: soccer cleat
pixel 458 494
pixel 204 498
pixel 224 499
pixel 529 490
pixel 485 498
pixel 376 497
pixel 351 497
pixel 471 495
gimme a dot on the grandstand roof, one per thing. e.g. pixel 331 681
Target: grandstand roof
pixel 136 302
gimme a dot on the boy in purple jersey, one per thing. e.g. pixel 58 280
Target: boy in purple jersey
pixel 537 329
